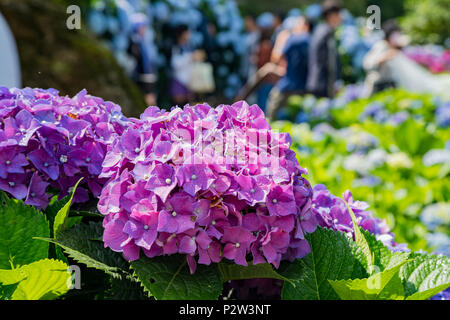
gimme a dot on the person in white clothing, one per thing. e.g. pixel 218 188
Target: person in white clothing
pixel 387 66
pixel 379 73
pixel 182 57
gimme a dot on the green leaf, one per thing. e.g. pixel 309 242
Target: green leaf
pixel 7 291
pixel 52 210
pixel 83 243
pixel 393 290
pixel 418 278
pixel 62 216
pixel 383 258
pixel 9 280
pixel 427 294
pixel 73 221
pixel 229 271
pixel 375 287
pixel 44 279
pixel 19 223
pixel 361 241
pixel 8 277
pixel 422 142
pixel 125 289
pixel 425 276
pixel 168 278
pixel 88 214
pixel 333 256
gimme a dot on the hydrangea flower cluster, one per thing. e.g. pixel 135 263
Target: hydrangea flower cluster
pixel 208 183
pixel 442 115
pixel 433 57
pixel 444 295
pixel 51 140
pixel 112 21
pixel 332 213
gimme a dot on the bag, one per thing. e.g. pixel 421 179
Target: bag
pixel 202 78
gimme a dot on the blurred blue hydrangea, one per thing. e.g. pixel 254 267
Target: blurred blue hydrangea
pixel 97 22
pixel 294 12
pixel 443 115
pixel 161 11
pixel 440 241
pixel 313 11
pixel 265 20
pixel 436 215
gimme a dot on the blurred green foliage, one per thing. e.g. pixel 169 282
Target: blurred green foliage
pixel 405 185
pixel 427 21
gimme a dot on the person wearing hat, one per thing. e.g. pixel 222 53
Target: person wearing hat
pixel 323 66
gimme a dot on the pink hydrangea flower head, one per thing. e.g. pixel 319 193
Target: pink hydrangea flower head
pixel 220 182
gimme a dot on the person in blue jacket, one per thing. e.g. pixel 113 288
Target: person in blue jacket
pixel 295 55
pixel 144 74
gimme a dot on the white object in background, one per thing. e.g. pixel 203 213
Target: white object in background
pixel 413 77
pixel 9 66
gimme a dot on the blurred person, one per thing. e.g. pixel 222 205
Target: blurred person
pixel 275 68
pixel 387 66
pixel 288 24
pixel 264 55
pixel 265 47
pixel 209 30
pixel 249 58
pixel 182 57
pixel 295 55
pixel 324 68
pixel 379 72
pixel 278 20
pixel 144 73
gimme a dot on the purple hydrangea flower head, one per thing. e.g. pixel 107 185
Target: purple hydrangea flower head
pixel 238 242
pixel 52 140
pixel 14 184
pixel 162 180
pixel 143 224
pixel 12 161
pixel 444 295
pixel 332 213
pixel 280 201
pixel 36 195
pixel 224 185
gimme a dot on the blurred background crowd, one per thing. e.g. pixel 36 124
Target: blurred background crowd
pixel 210 50
pixel 179 51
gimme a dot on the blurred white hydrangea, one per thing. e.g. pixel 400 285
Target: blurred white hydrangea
pixel 399 160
